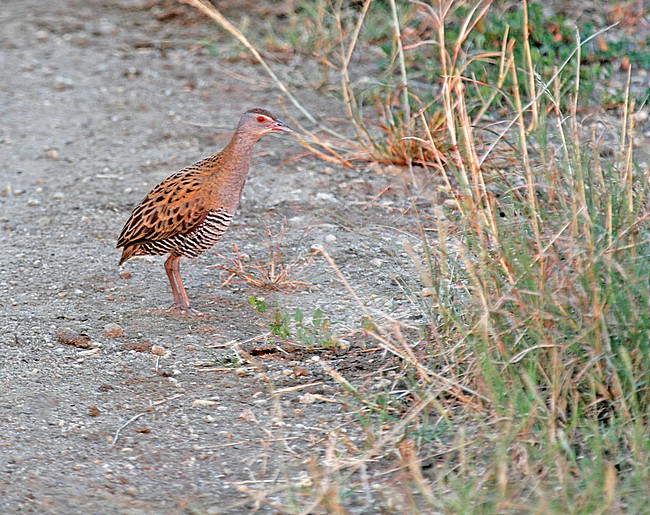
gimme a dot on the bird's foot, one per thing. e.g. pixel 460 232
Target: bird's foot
pixel 184 310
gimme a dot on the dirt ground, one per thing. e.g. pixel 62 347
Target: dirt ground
pixel 99 101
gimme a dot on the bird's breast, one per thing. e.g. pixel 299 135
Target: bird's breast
pixel 225 190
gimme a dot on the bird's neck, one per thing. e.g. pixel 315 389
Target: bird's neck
pixel 230 169
pixel 238 152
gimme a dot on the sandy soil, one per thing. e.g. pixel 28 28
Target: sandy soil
pixel 100 101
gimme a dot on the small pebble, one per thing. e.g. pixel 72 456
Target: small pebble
pixel 52 154
pixel 203 402
pixel 300 372
pixel 89 352
pixel 33 202
pixel 62 83
pixel 70 337
pixel 106 28
pixel 307 398
pixel 428 292
pixel 158 350
pixel 113 331
pixel 9 339
pixel 325 196
pixel 641 116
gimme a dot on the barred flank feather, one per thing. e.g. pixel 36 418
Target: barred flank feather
pixel 193 243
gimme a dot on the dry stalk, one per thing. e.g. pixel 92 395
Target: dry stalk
pixel 271 274
pixel 534 122
pixel 409 459
pixel 530 179
pixel 130 421
pixel 346 85
pixel 543 91
pixel 247 442
pixel 404 86
pixel 211 11
pixel 327 492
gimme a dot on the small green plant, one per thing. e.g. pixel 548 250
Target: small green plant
pixel 295 327
pixel 316 332
pixel 229 359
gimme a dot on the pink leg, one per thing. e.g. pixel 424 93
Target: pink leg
pixel 181 300
pixel 170 265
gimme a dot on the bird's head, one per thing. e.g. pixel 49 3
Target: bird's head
pixel 258 122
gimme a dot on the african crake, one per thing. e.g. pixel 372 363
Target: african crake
pixel 188 212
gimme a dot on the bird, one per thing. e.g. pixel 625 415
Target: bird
pixel 189 211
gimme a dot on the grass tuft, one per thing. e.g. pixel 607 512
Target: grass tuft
pixel 273 273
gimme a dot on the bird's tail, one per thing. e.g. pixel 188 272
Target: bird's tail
pixel 128 252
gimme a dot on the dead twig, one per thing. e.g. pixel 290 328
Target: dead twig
pixel 130 421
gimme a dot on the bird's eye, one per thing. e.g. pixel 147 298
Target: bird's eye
pixel 261 119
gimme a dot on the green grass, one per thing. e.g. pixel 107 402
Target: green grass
pixel 526 389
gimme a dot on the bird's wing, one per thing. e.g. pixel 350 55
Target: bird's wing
pixel 175 206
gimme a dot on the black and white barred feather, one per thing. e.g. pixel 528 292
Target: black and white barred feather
pixel 191 244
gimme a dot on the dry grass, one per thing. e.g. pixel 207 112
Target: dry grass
pixel 272 273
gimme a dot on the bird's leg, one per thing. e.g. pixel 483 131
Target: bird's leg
pixel 185 300
pixel 170 265
pixel 181 300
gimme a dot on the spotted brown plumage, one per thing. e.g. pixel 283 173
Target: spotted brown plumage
pixel 188 212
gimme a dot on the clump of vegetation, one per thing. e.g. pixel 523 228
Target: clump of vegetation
pixel 273 272
pixel 296 328
pixel 527 390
